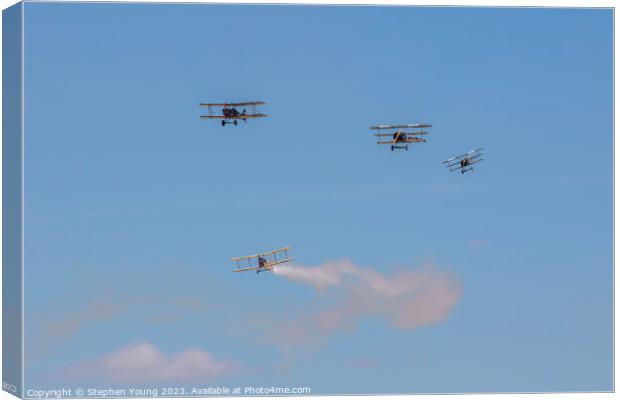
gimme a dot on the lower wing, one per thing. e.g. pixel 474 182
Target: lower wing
pixel 271 264
pixel 250 116
pixel 245 269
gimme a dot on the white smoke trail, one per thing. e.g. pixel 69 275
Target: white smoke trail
pixel 320 277
pixel 407 300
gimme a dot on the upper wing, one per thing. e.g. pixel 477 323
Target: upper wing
pixel 213 104
pixel 413 126
pixel 248 103
pixel 401 126
pixel 262 254
pixel 213 117
pixel 244 258
pixel 283 249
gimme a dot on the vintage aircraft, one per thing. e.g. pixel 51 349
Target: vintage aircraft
pixel 403 134
pixel 230 114
pixel 263 261
pixel 465 161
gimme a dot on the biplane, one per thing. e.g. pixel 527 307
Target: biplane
pixel 403 134
pixel 465 161
pixel 230 113
pixel 262 262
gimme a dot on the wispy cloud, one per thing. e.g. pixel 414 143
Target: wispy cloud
pixel 58 323
pixel 53 327
pixel 405 300
pixel 68 324
pixel 143 362
pixel 478 243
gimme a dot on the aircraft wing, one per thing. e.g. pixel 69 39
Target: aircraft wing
pixel 271 264
pixel 394 140
pixel 274 252
pixel 248 103
pixel 213 117
pixel 461 156
pixel 458 161
pixel 417 133
pixel 267 266
pixel 245 269
pixel 249 116
pixel 261 254
pixel 401 126
pixel 454 163
pixel 413 126
pixel 244 258
pixel 421 133
pixel 449 160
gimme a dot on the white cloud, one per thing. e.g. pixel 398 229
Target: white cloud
pixel 143 362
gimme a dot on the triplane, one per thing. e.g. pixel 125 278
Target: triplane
pixel 404 134
pixel 230 114
pixel 264 261
pixel 465 161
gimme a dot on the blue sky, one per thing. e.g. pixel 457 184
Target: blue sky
pixel 134 205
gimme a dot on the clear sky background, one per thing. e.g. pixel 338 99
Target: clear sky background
pixel 134 205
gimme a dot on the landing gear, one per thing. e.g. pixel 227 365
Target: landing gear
pixel 407 147
pixel 392 147
pixel 224 122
